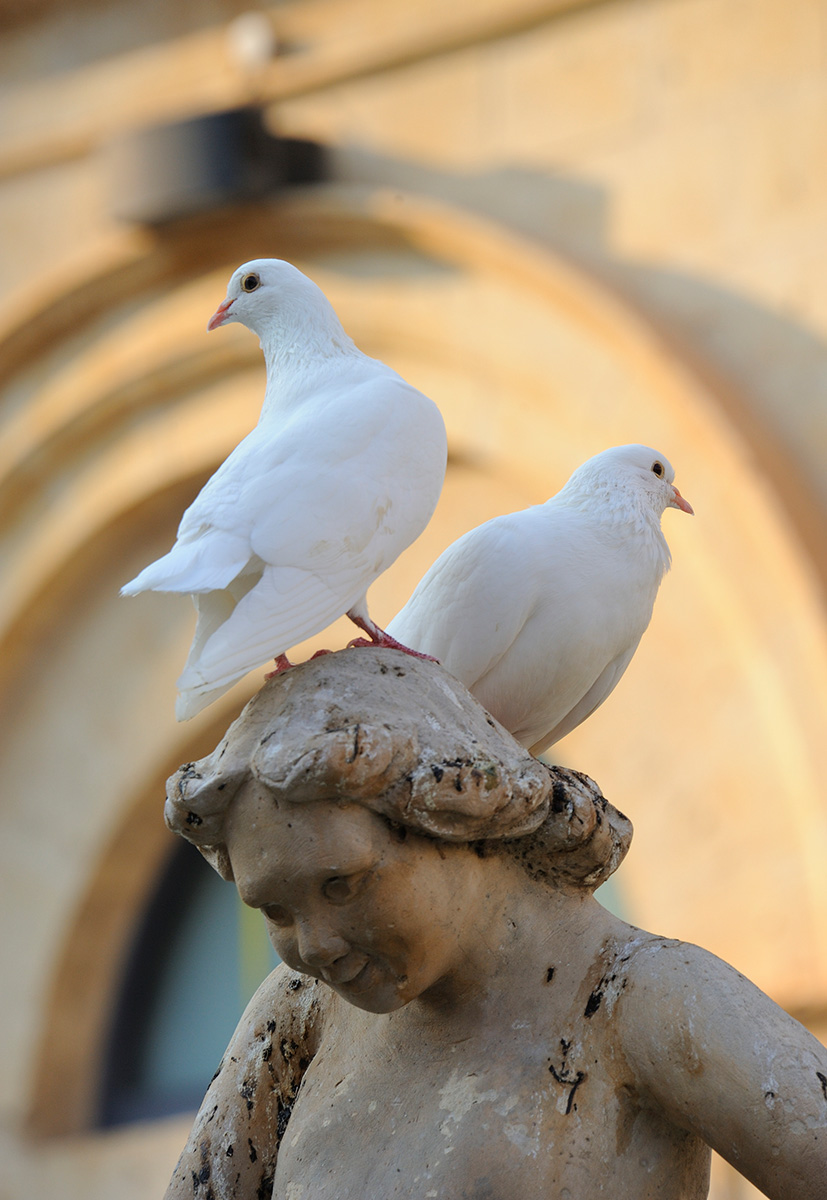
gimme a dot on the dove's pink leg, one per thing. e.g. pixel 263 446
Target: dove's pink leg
pixel 283 663
pixel 378 637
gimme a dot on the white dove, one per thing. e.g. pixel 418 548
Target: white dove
pixel 539 612
pixel 341 473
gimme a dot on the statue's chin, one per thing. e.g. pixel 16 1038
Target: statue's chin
pixel 373 990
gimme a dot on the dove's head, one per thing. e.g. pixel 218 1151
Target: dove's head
pixel 636 470
pixel 275 300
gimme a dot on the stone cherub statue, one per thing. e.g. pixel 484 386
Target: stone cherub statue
pixel 456 1015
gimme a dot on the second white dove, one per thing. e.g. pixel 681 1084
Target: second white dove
pixel 539 612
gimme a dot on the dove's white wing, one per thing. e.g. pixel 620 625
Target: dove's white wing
pixel 602 687
pixel 470 607
pixel 324 511
pixel 593 603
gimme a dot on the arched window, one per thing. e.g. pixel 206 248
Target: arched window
pixel 197 957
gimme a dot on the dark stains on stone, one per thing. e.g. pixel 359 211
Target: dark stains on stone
pixel 566 1077
pixel 264 1191
pixel 271 1026
pixel 211 1117
pixel 281 1121
pixel 267 1051
pixel 570 1102
pixel 202 1176
pixel 438 772
pixel 288 1048
pixel 248 1091
pixel 230 1151
pixel 559 797
pixel 294 985
pixel 356 750
pixel 253 1151
pixel 593 1002
pixel 822 1079
pixel 549 974
pixel 194 819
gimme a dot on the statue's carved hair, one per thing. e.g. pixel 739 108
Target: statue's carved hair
pixel 403 738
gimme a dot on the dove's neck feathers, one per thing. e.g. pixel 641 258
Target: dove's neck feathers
pixel 300 336
pixel 622 506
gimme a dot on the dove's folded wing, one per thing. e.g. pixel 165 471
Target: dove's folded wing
pixel 211 559
pixel 350 502
pixel 600 690
pixel 471 605
pixel 322 518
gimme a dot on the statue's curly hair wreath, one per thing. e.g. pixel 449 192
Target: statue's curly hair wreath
pixel 403 738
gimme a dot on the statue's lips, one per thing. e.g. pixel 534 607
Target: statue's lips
pixel 350 976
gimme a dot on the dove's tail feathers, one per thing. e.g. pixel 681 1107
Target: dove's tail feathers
pixel 208 562
pixel 189 704
pixel 241 629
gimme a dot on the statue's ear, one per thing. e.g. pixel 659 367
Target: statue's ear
pixel 357 760
pixel 198 796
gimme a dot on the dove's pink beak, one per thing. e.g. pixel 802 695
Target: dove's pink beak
pixel 679 502
pixel 220 315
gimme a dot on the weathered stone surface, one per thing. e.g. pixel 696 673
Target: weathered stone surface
pixel 455 1014
pixel 403 737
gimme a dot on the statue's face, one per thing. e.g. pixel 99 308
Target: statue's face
pixel 378 915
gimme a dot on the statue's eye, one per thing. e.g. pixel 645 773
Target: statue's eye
pixel 277 914
pixel 250 282
pixel 339 889
pixel 659 469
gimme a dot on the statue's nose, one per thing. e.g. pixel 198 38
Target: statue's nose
pixel 319 945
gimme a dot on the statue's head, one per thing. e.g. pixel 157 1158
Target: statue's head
pixel 369 780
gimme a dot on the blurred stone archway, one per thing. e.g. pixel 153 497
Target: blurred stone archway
pixel 712 743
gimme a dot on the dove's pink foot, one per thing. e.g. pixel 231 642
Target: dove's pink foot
pixel 378 637
pixel 283 663
pixel 319 654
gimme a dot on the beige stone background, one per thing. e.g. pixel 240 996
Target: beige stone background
pixel 573 224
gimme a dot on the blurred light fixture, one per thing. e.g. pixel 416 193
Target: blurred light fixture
pixel 251 40
pixel 169 172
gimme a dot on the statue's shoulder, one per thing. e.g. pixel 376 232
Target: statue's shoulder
pixel 250 1097
pixel 288 1010
pixel 656 963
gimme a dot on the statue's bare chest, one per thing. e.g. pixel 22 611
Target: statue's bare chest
pixel 521 1119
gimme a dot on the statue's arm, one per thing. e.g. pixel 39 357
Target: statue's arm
pixel 722 1060
pixel 232 1149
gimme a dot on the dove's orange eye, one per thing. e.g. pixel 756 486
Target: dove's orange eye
pixel 658 469
pixel 250 282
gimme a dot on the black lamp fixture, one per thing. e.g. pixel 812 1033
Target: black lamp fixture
pixel 170 172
